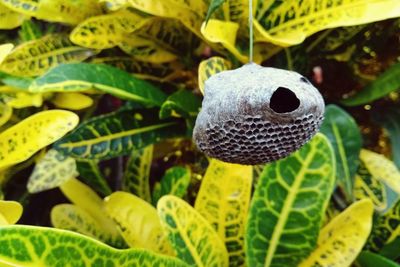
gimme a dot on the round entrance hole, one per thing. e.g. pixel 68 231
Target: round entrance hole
pixel 283 100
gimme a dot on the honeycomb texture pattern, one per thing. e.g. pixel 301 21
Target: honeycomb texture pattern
pixel 241 127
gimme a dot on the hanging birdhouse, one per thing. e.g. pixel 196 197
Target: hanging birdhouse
pixel 253 114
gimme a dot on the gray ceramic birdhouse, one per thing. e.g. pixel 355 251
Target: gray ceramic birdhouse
pixel 253 114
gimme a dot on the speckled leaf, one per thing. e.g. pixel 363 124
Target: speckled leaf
pixel 72 101
pixel 85 198
pixel 116 134
pixel 345 137
pixel 27 7
pixel 387 82
pixel 368 259
pixel 73 218
pixel 138 222
pixel 211 66
pixel 89 172
pixel 137 173
pixel 10 212
pixel 381 168
pixel 22 140
pixel 342 239
pixel 51 171
pixel 26 246
pixel 106 31
pixel 83 76
pixel 288 205
pixel 175 182
pixel 182 103
pixel 9 18
pixel 36 57
pixel 223 32
pixel 223 200
pixel 288 23
pixel 192 237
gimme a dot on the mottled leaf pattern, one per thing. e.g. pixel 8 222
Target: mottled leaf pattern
pixel 137 173
pixel 223 200
pixel 26 246
pixel 342 239
pixel 211 66
pixel 27 7
pixel 288 205
pixel 51 171
pixel 22 140
pixel 192 237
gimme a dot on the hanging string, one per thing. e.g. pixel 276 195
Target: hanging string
pixel 251 31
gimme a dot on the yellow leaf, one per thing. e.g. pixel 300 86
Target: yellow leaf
pixel 5 113
pixel 26 7
pixel 5 49
pixel 289 22
pixel 138 222
pixel 223 199
pixel 72 101
pixel 209 67
pixel 381 168
pixel 106 31
pixel 340 242
pixel 23 100
pixel 10 211
pixel 22 140
pixel 224 32
pixel 10 19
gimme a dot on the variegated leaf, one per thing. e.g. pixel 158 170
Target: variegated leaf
pixel 10 19
pixel 211 66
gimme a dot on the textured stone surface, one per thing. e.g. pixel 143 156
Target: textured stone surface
pixel 253 115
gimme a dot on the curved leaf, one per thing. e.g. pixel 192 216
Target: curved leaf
pixel 51 171
pixel 83 76
pixel 288 205
pixel 138 222
pixel 26 7
pixel 387 82
pixel 175 182
pixel 137 173
pixel 9 18
pixel 209 67
pixel 182 103
pixel 345 137
pixel 342 239
pixel 5 113
pixel 90 173
pixel 223 199
pixel 5 49
pixel 22 140
pixel 72 101
pixel 368 259
pixel 117 134
pixel 191 236
pixel 37 56
pixel 39 246
pixel 10 211
pixel 23 100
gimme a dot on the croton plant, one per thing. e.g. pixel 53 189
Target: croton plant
pixel 98 100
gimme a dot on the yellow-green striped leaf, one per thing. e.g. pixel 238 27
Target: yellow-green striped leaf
pixel 10 212
pixel 192 237
pixel 9 18
pixel 83 76
pixel 223 200
pixel 289 22
pixel 288 205
pixel 22 140
pixel 51 171
pixel 209 67
pixel 138 222
pixel 27 246
pixel 117 134
pixel 72 101
pixel 35 57
pixel 137 173
pixel 340 242
pixel 182 103
pixel 175 182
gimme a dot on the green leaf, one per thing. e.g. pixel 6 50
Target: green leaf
pixel 116 134
pixel 89 172
pixel 29 31
pixel 83 76
pixel 175 182
pixel 51 171
pixel 137 173
pixel 182 103
pixel 27 246
pixel 387 82
pixel 391 249
pixel 369 259
pixel 214 5
pixel 288 205
pixel 14 81
pixel 191 236
pixel 345 137
pixel 138 222
pixel 223 199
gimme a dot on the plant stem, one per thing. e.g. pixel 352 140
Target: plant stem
pixel 251 31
